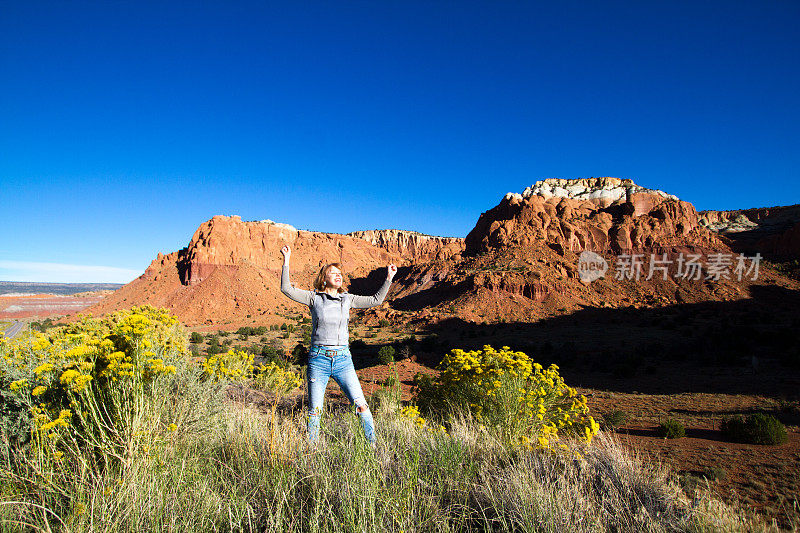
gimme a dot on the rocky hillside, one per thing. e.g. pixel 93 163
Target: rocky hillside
pixel 519 263
pixel 521 260
pixel 772 231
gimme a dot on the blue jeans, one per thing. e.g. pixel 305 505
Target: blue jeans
pixel 339 366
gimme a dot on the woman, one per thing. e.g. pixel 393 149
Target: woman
pixel 329 355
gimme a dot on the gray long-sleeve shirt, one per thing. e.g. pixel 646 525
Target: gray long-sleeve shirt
pixel 330 314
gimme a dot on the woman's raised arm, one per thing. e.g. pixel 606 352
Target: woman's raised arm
pixel 363 302
pixel 298 295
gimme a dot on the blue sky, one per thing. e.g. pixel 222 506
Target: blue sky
pixel 125 125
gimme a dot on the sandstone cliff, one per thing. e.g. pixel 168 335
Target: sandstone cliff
pixel 230 270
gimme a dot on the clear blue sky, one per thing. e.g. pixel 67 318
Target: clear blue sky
pixel 124 125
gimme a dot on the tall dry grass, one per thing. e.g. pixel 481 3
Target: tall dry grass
pixel 223 469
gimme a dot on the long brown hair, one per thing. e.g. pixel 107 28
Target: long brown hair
pixel 319 282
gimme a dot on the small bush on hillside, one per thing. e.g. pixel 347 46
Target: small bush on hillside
pixel 758 428
pixel 42 326
pixel 614 420
pixel 383 322
pixel 715 473
pixel 515 398
pixel 386 355
pixel 274 378
pixel 671 429
pixel 196 338
pixel 299 354
pixel 214 349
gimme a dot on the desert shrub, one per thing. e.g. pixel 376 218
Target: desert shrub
pixel 671 429
pixel 405 352
pixel 223 333
pixel 196 338
pixel 260 330
pixel 231 365
pixel 614 419
pixel 245 332
pixel 214 349
pixel 86 383
pixel 383 322
pixel 273 378
pixel 386 355
pixel 715 473
pixel 515 398
pixel 299 354
pixel 42 325
pixel 758 428
pixel 271 354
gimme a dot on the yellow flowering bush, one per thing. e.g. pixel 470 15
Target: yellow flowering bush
pixel 90 377
pixel 231 365
pixel 412 414
pixel 515 398
pixel 272 377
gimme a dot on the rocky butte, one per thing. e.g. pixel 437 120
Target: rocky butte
pixel 230 269
pixel 519 262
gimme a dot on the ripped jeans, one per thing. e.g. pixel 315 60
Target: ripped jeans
pixel 339 366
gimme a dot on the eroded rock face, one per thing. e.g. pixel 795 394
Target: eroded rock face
pixel 226 242
pixel 411 244
pixel 598 214
pixel 771 231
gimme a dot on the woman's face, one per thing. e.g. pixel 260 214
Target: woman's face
pixel 333 278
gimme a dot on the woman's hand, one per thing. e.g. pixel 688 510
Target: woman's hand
pixel 392 271
pixel 287 252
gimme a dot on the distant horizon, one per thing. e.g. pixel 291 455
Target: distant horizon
pixel 126 126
